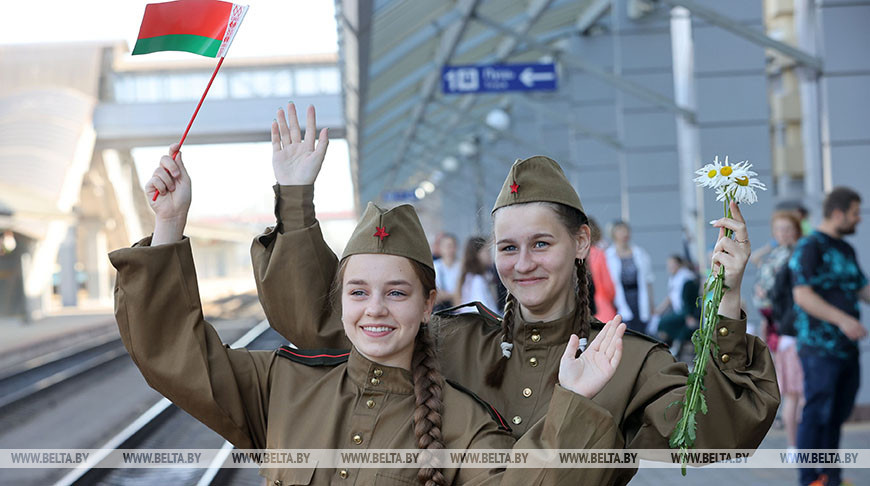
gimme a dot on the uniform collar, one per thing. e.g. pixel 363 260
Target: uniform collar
pixel 369 375
pixel 545 334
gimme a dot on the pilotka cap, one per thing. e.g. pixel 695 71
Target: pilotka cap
pixel 395 231
pixel 537 179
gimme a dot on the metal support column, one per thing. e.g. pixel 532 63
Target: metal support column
pixel 67 258
pixel 814 180
pixel 619 106
pixel 688 137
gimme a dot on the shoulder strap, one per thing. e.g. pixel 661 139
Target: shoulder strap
pixel 314 357
pixel 502 423
pixel 598 325
pixel 481 309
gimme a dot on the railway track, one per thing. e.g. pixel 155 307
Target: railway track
pixel 164 426
pixel 37 375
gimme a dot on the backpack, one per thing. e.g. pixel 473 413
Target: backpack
pixel 782 301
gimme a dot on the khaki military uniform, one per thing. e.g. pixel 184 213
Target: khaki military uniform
pixel 258 399
pixel 291 262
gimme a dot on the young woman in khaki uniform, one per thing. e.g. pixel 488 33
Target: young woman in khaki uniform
pixel 542 240
pixel 385 393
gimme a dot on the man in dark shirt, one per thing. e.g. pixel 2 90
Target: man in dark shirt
pixel 828 284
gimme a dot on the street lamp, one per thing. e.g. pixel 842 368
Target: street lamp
pixel 450 164
pixel 498 119
pixel 427 186
pixel 8 243
pixel 468 148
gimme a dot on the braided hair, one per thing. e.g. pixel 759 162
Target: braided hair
pixel 428 386
pixel 584 303
pixel 572 219
pixel 495 375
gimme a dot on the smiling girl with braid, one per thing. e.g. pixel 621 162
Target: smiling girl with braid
pixel 542 241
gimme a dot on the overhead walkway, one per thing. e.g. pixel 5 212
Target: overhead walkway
pixel 151 104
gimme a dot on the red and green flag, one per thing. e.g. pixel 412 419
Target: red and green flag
pixel 204 27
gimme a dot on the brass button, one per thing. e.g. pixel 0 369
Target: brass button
pixel 378 372
pixel 376 381
pixel 533 362
pixel 357 439
pixel 343 474
pixel 535 336
pixel 726 358
pixel 527 392
pixel 517 420
pixel 370 403
pixel 723 331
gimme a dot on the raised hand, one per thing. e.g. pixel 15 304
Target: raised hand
pixel 732 255
pixel 588 374
pixel 170 208
pixel 297 161
pixel 171 179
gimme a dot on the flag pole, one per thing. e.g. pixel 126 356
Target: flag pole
pixel 198 105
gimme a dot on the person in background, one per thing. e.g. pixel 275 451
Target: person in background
pixel 436 247
pixel 474 284
pixel 796 209
pixel 803 216
pixel 597 264
pixel 828 283
pixel 786 230
pixel 447 270
pixel 632 276
pixel 786 227
pixel 680 313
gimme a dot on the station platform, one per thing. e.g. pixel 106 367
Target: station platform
pixel 24 340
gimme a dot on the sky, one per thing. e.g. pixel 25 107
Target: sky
pixel 270 28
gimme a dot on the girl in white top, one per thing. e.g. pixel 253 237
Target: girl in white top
pixel 447 271
pixel 632 275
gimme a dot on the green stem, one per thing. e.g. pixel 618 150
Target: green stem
pixel 709 321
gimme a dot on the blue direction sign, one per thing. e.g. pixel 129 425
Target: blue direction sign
pixel 400 196
pixel 497 78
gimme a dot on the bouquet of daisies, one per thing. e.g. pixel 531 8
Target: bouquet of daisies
pixel 738 183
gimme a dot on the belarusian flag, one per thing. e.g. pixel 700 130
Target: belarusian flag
pixel 204 27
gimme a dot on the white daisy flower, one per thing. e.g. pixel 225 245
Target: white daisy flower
pixel 744 189
pixel 727 173
pixel 741 170
pixel 708 176
pixel 741 190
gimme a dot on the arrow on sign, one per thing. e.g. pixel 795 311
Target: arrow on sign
pixel 529 77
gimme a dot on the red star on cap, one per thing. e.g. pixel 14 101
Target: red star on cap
pixel 515 188
pixel 381 232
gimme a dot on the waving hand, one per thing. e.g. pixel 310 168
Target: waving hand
pixel 588 374
pixel 296 160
